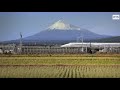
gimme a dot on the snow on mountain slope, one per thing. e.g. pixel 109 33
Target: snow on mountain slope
pixel 61 25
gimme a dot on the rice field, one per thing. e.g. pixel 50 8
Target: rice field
pixel 64 66
pixel 81 71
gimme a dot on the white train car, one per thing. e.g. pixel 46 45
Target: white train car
pixel 76 44
pixel 101 47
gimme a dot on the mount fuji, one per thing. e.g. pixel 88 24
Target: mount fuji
pixel 63 31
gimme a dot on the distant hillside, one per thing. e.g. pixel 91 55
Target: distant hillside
pixel 110 39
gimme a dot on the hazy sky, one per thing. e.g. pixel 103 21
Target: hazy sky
pixel 29 23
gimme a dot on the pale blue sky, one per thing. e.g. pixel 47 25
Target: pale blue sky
pixel 29 23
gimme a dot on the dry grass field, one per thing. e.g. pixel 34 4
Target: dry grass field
pixel 60 66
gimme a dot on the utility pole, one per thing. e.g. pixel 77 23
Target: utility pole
pixel 81 41
pixel 78 39
pixel 20 49
pixel 90 48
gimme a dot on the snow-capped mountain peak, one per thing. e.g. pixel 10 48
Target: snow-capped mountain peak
pixel 61 25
